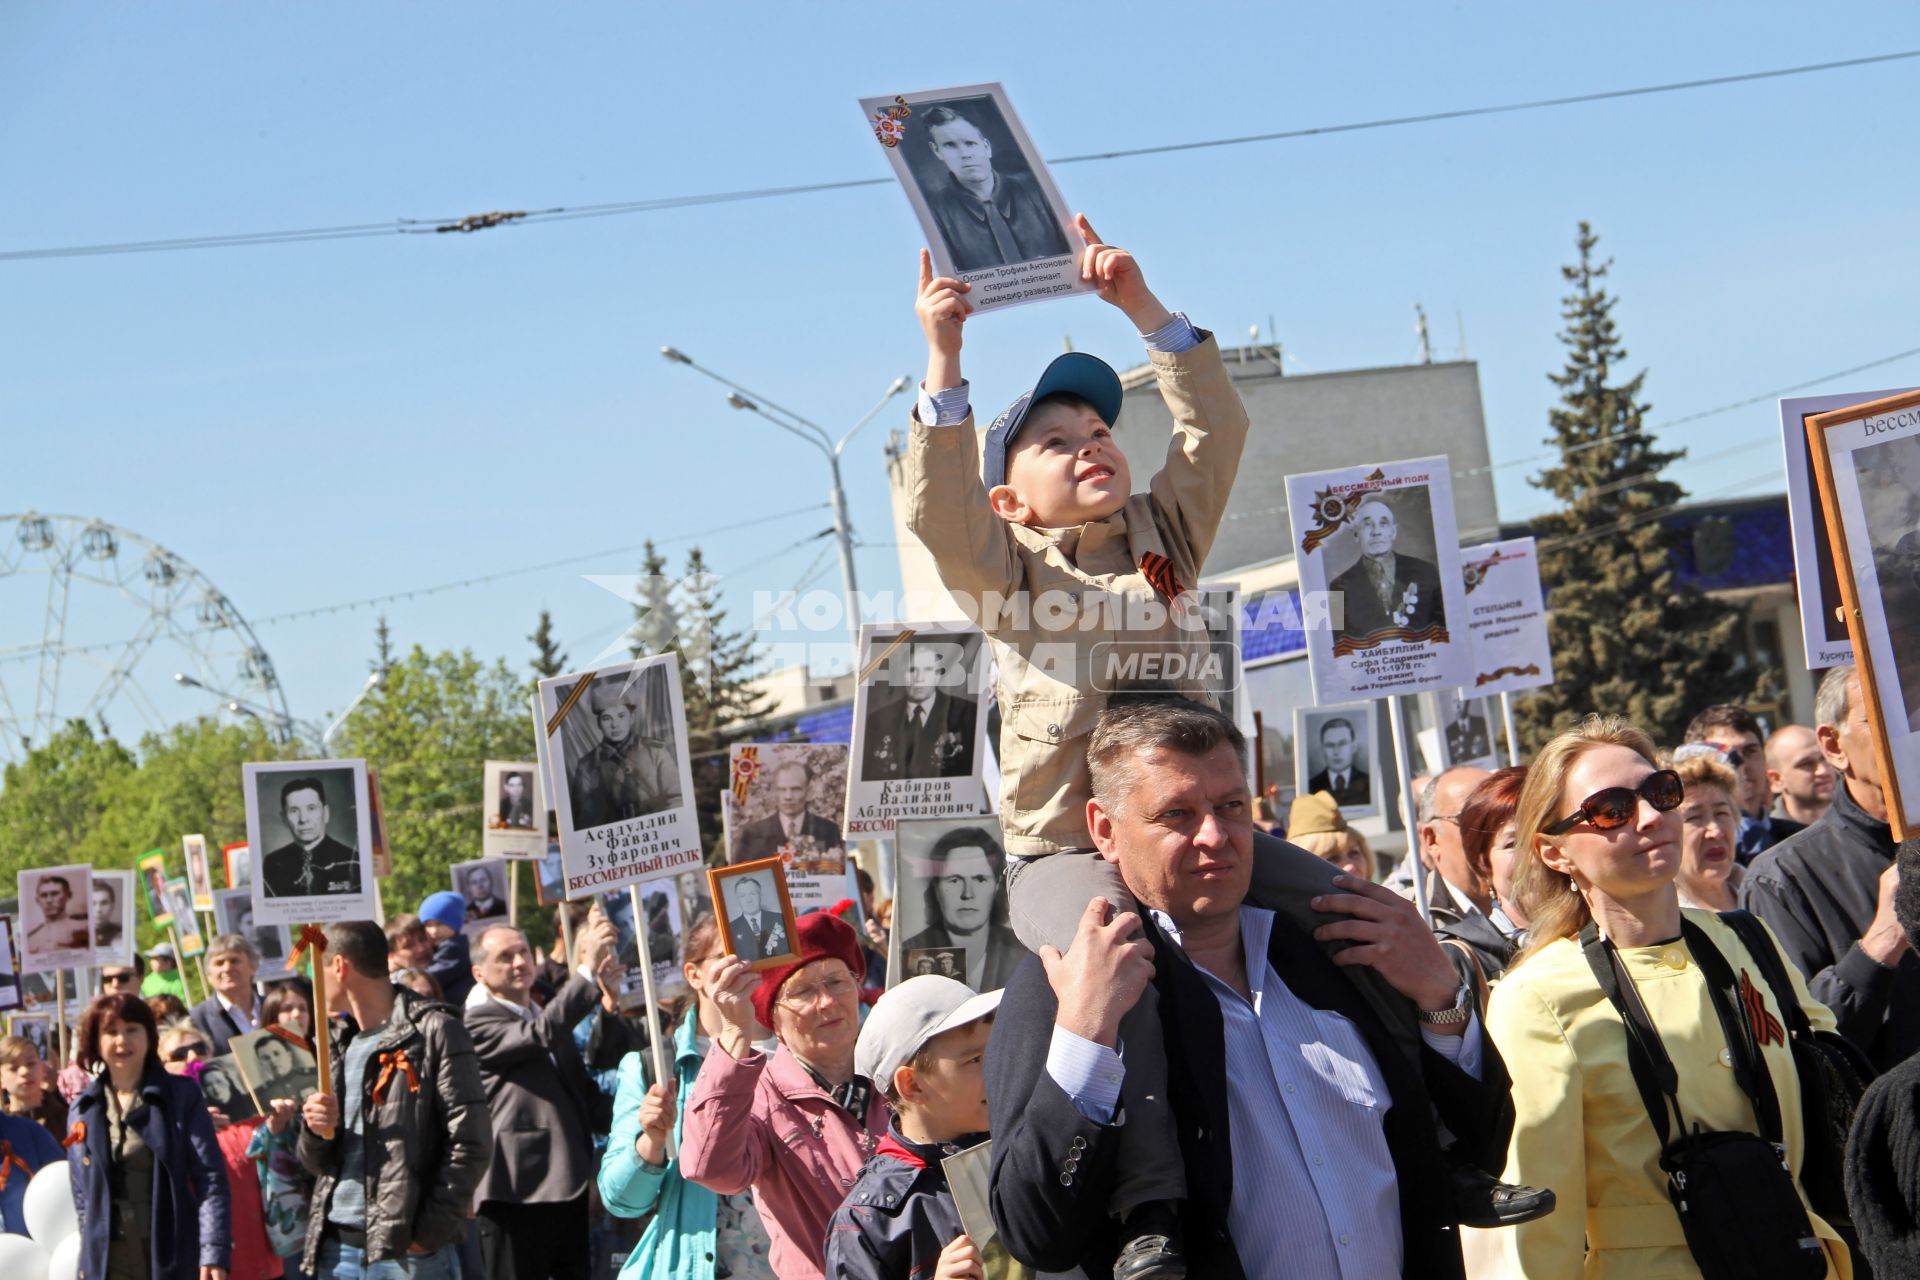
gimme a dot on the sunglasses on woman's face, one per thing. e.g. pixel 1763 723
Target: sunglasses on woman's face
pixel 1615 807
pixel 181 1052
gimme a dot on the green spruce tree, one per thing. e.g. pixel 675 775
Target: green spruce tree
pixel 548 659
pixel 656 620
pixel 1629 638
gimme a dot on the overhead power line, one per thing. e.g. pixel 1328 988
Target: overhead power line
pixel 566 213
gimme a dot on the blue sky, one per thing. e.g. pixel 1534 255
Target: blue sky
pixel 316 423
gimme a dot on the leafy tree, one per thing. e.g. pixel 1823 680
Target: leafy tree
pixel 1628 637
pixel 52 802
pixel 548 659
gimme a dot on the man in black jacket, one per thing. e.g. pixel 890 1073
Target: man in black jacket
pixel 533 1197
pixel 1828 891
pixel 1309 1084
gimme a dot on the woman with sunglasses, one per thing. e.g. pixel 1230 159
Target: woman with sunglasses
pixel 1598 831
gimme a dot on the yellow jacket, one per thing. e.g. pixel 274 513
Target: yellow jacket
pixel 1581 1128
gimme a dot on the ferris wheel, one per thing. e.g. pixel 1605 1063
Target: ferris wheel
pixel 126 627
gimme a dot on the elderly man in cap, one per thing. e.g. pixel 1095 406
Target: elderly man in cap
pixel 794 1125
pixel 444 915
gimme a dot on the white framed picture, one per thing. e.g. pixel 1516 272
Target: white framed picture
pixel 919 725
pixel 314 820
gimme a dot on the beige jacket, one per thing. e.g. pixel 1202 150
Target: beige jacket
pixel 1070 611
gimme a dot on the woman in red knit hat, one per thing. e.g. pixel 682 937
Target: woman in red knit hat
pixel 795 1125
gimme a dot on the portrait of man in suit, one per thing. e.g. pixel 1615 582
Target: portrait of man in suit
pixel 1340 773
pixel 516 801
pixel 1468 738
pixel 481 889
pixel 927 730
pixel 990 212
pixel 313 863
pixel 107 926
pixel 1386 590
pixel 754 920
pixel 792 826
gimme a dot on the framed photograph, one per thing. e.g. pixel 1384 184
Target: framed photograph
pixel 482 884
pixel 239 867
pixel 56 927
pixel 113 925
pixel 1465 729
pixel 617 741
pixel 950 904
pixel 513 810
pixel 199 874
pixel 984 196
pixel 664 930
pixel 377 831
pixel 1506 616
pixel 1333 752
pixel 226 1089
pixel 36 1027
pixel 919 731
pixel 10 995
pixel 755 914
pixel 153 879
pixel 550 877
pixel 787 800
pixel 1867 473
pixel 186 925
pixel 233 913
pixel 314 819
pixel 1379 564
pixel 275 1066
pixel 1823 629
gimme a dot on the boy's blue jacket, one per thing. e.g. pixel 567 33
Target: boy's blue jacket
pixel 899 1214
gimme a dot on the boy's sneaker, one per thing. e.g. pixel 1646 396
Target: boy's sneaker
pixel 1150 1245
pixel 1482 1200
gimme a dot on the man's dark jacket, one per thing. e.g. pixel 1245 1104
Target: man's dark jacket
pixel 336 869
pixel 426 1135
pixel 963 221
pixel 211 1019
pixel 1818 890
pixel 1358 791
pixel 1053 1169
pixel 940 747
pixel 899 1214
pixel 541 1099
pixel 1364 616
pixel 767 837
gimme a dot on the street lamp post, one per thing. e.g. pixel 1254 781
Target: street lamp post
pixel 816 435
pixel 283 727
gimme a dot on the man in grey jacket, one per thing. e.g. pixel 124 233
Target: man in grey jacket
pixel 401 1140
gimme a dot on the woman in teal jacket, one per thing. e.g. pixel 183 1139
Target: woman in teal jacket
pixel 695 1234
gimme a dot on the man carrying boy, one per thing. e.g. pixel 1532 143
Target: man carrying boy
pixel 923 1046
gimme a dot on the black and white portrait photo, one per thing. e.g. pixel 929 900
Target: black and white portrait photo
pixel 1466 728
pixel 660 924
pixel 941 962
pixel 949 894
pixel 514 809
pixel 233 913
pixel 56 926
pixel 226 1089
pixel 113 923
pixel 36 1029
pixel 199 874
pixel 550 876
pixel 787 799
pixel 1391 586
pixel 1889 478
pixel 983 194
pixel 312 817
pixel 922 711
pixel 186 924
pixel 10 997
pixel 755 914
pixel 1333 752
pixel 277 1067
pixel 619 750
pixel 482 883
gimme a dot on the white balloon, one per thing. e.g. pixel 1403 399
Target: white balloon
pixel 64 1264
pixel 22 1259
pixel 48 1206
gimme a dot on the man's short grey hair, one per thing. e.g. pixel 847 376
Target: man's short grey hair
pixel 228 943
pixel 483 951
pixel 1830 701
pixel 1133 723
pixel 1427 802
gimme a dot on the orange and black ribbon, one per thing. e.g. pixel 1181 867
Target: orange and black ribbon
pixel 77 1133
pixel 10 1160
pixel 1160 576
pixel 310 936
pixel 390 1063
pixel 1765 1027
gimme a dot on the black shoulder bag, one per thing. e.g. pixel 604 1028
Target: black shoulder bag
pixel 1734 1192
pixel 1834 1076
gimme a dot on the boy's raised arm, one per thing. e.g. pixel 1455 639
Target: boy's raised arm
pixel 942 307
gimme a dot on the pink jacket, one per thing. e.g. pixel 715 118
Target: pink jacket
pixel 762 1122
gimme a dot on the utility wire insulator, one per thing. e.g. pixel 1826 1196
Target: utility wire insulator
pixel 481 221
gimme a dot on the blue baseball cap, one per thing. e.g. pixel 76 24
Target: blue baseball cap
pixel 444 907
pixel 1076 373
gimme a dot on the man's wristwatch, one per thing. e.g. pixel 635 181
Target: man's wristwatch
pixel 1456 1016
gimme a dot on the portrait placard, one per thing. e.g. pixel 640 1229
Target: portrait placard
pixel 186 925
pixel 10 997
pixel 514 810
pixel 1867 472
pixel 1378 549
pixel 786 801
pixel 1506 616
pixel 56 928
pixel 1333 752
pixel 37 1029
pixel 153 879
pixel 950 904
pixel 617 747
pixel 276 1067
pixel 755 913
pixel 1463 727
pixel 233 913
pixel 482 885
pixel 377 830
pixel 969 1176
pixel 226 1089
pixel 919 732
pixel 199 874
pixel 665 925
pixel 984 196
pixel 550 877
pixel 239 867
pixel 314 819
pixel 113 924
